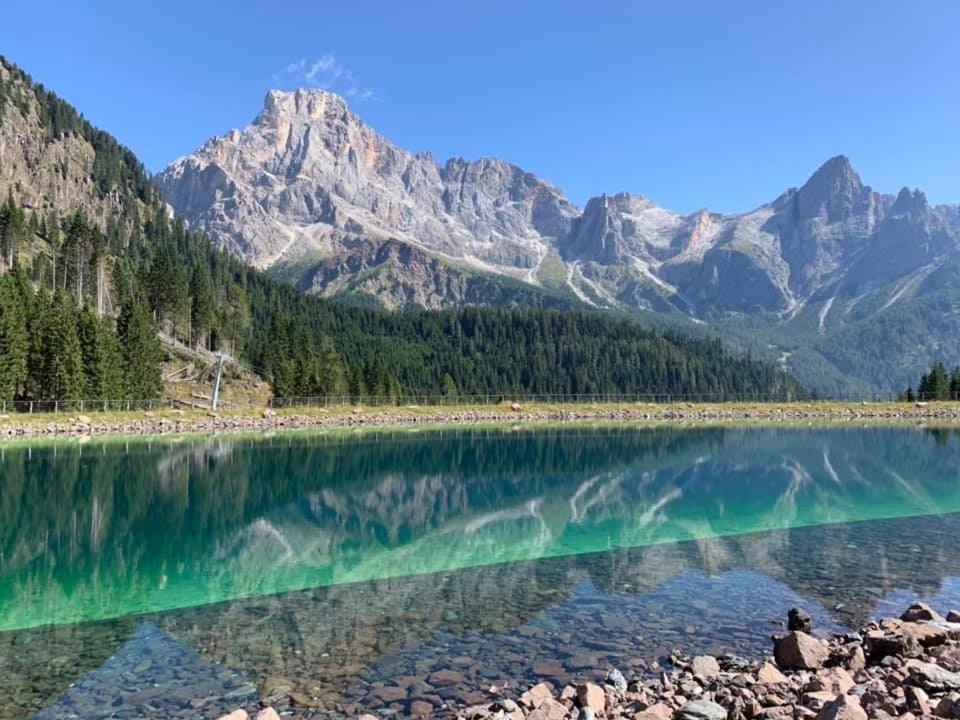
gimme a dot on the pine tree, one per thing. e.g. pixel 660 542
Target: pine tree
pixel 102 359
pixel 281 364
pixel 141 353
pixel 202 312
pixel 13 231
pixel 14 345
pixel 39 318
pixel 935 385
pixel 955 384
pixel 333 376
pixel 63 363
pixel 448 387
pixel 75 253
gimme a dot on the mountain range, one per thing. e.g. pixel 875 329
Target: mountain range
pixel 315 196
pixel 101 284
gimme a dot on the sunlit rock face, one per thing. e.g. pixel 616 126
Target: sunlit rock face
pixel 327 204
pixel 310 189
pixel 307 181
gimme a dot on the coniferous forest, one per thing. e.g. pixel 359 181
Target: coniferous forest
pixel 82 301
pixel 936 384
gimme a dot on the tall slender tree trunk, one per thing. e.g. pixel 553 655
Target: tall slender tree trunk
pixel 79 276
pixel 101 282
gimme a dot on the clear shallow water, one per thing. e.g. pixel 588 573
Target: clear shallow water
pixel 153 574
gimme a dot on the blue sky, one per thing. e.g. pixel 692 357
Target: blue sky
pixel 717 104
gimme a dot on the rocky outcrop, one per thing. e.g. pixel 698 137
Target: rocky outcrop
pixel 307 179
pixel 45 172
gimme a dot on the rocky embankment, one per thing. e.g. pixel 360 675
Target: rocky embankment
pixel 173 422
pixel 906 668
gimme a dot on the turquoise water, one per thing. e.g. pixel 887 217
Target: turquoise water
pixel 189 543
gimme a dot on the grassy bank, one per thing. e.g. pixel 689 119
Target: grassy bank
pixel 347 416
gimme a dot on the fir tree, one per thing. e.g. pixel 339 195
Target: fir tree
pixel 448 387
pixel 935 385
pixel 141 352
pixel 202 310
pixel 14 345
pixel 955 384
pixel 102 360
pixel 62 373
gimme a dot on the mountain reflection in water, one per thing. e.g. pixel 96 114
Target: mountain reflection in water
pixel 339 562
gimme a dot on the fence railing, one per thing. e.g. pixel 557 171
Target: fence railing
pixel 157 404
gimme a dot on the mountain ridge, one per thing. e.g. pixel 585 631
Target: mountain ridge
pixel 94 267
pixel 341 181
pixel 312 193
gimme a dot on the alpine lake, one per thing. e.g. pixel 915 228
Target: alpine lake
pixel 336 573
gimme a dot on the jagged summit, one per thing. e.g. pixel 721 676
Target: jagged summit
pixel 910 202
pixel 310 189
pixel 309 179
pixel 835 188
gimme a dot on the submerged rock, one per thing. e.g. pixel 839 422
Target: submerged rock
pixel 921 612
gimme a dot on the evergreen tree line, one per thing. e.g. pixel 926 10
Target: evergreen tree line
pixel 83 302
pixel 176 281
pixel 937 384
pixel 53 349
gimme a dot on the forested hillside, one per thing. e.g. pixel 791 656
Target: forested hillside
pixel 93 266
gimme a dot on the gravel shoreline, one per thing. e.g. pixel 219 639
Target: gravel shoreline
pixel 906 668
pixel 175 422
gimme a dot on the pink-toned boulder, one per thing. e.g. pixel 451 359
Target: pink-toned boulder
pixel 659 711
pixel 550 709
pixel 535 696
pixel 705 667
pixel 835 680
pixel 593 697
pixel 799 651
pixel 769 675
pixel 845 707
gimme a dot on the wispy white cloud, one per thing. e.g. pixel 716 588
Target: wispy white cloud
pixel 327 73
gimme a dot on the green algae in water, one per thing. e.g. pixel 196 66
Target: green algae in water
pixel 110 529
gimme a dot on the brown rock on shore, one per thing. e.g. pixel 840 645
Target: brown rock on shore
pixel 799 651
pixel 844 678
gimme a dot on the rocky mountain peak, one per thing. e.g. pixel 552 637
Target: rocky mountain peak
pixel 306 102
pixel 312 191
pixel 308 178
pixel 835 189
pixel 615 228
pixel 912 203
